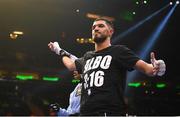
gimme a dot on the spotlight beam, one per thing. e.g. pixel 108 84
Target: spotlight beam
pixel 154 36
pixel 151 41
pixel 125 33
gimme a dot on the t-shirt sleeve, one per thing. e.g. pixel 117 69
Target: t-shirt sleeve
pixel 126 57
pixel 79 64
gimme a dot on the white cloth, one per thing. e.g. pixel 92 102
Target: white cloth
pixel 74 102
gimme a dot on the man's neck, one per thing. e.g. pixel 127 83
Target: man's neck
pixel 101 46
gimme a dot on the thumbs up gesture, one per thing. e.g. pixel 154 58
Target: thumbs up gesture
pixel 159 67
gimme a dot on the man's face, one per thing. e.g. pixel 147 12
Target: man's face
pixel 100 31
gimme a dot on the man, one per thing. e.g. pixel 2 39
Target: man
pixel 104 71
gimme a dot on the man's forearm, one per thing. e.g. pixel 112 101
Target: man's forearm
pixel 69 63
pixel 67 58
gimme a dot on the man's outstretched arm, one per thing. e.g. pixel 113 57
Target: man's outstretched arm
pixel 67 58
pixel 157 67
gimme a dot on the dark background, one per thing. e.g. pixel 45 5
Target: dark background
pixel 43 21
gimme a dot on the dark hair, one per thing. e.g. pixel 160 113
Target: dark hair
pixel 106 20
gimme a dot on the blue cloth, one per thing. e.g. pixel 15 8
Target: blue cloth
pixel 74 102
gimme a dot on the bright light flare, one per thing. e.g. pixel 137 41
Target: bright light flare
pixel 177 2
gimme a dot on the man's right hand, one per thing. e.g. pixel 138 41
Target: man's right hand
pixel 54 47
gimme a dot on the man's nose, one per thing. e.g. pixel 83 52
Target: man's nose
pixel 96 30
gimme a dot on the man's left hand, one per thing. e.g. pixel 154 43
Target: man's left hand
pixel 159 66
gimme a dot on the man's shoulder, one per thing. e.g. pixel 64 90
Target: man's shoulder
pixel 119 47
pixel 88 54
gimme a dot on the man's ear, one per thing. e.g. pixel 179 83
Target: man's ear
pixel 111 31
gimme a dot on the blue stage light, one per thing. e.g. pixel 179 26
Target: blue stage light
pixel 147 47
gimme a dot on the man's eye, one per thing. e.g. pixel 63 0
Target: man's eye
pixel 101 25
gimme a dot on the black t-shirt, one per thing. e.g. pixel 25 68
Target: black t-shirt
pixel 103 79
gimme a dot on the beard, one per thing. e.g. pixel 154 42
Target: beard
pixel 99 39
